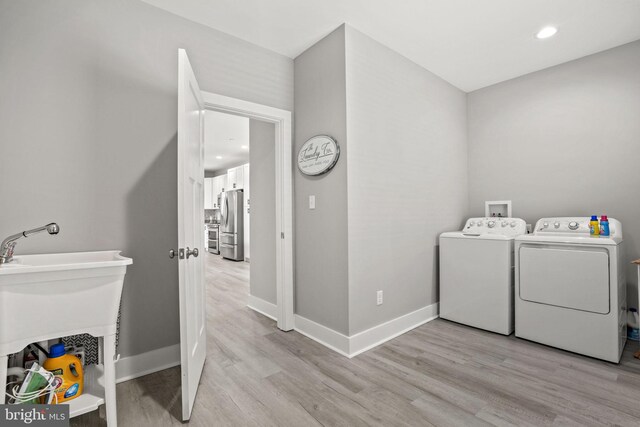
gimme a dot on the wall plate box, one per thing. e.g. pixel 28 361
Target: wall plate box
pixel 501 208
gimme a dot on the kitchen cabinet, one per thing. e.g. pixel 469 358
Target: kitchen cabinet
pixel 213 187
pixel 235 178
pixel 231 178
pixel 218 186
pixel 208 193
pixel 221 183
pixel 239 177
pixel 215 191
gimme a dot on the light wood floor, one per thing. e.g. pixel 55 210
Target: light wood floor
pixel 440 374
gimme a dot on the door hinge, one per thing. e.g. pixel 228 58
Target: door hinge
pixel 282 234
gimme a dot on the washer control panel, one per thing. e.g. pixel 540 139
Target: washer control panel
pixel 496 225
pixel 574 226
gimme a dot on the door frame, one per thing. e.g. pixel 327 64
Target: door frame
pixel 284 192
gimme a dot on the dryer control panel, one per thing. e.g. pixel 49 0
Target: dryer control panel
pixel 573 226
pixel 496 225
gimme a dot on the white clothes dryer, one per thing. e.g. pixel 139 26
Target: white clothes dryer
pixel 570 287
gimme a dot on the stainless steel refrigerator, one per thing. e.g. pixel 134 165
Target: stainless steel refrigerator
pixel 232 225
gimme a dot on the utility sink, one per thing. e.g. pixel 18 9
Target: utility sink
pixel 53 295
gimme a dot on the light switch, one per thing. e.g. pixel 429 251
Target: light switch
pixel 312 202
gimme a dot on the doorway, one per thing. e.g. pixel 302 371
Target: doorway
pixel 270 216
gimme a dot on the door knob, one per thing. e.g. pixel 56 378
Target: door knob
pixel 193 252
pixel 172 253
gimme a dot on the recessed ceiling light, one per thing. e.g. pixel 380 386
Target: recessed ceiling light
pixel 244 147
pixel 218 157
pixel 546 32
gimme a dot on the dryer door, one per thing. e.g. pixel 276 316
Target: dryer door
pixel 574 277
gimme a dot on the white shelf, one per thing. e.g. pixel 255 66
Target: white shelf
pixel 93 394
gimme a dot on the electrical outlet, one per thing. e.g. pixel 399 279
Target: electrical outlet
pixel 379 297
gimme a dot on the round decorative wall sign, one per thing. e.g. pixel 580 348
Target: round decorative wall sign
pixel 318 155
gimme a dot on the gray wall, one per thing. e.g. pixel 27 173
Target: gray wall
pixel 379 211
pixel 88 135
pixel 407 179
pixel 321 274
pixel 262 196
pixel 563 141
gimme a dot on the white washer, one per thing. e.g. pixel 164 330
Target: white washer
pixel 476 273
pixel 570 288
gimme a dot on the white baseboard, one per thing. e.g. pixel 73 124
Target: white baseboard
pixel 373 337
pixel 353 345
pixel 263 307
pixel 323 335
pixel 130 367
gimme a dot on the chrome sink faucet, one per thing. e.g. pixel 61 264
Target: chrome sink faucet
pixel 9 244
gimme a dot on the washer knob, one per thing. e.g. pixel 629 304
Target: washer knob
pixel 513 224
pixel 556 224
pixel 491 224
pixel 472 223
pixel 573 225
pixel 545 225
pixel 504 223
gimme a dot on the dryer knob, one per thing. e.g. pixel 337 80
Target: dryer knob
pixel 556 224
pixel 573 225
pixel 503 223
pixel 513 224
pixel 491 224
pixel 545 225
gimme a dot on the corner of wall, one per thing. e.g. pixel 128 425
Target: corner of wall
pixel 468 145
pixel 390 98
pixel 321 235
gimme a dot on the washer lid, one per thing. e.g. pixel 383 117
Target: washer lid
pixel 471 235
pixel 494 226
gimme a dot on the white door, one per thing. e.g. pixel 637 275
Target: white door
pixel 190 221
pixel 574 277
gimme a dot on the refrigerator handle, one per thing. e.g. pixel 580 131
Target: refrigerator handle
pixel 221 204
pixel 226 208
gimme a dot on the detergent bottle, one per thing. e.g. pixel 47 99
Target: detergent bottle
pixel 69 381
pixel 594 227
pixel 604 226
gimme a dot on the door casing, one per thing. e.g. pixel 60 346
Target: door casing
pixel 284 192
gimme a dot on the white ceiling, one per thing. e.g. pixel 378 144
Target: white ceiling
pixel 224 136
pixel 469 43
